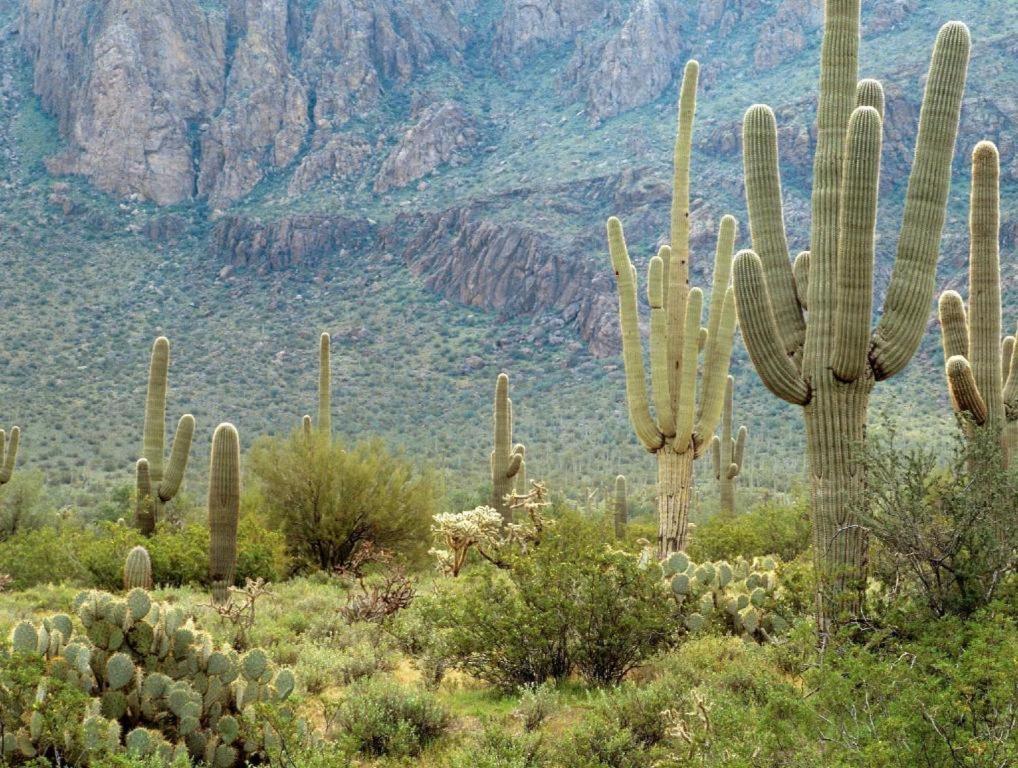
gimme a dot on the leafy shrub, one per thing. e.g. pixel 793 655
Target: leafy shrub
pixel 23 504
pixel 537 703
pixel 498 748
pixel 769 529
pixel 380 717
pixel 327 499
pixel 948 533
pixel 570 603
pixel 319 667
pixel 48 555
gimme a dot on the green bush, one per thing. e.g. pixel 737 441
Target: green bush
pixel 498 748
pixel 49 555
pixel 380 717
pixel 327 499
pixel 23 503
pixel 571 603
pixel 769 529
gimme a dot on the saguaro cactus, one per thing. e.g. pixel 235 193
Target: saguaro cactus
pixel 8 454
pixel 680 429
pixel 224 510
pixel 621 518
pixel 728 452
pixel 827 361
pixel 156 486
pixel 982 372
pixel 137 570
pixel 324 390
pixel 506 458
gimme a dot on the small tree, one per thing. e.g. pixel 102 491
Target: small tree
pixel 329 500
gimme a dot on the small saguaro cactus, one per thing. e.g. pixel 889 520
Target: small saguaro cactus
pixel 680 429
pixel 8 454
pixel 137 570
pixel 156 486
pixel 807 327
pixel 224 510
pixel 982 372
pixel 506 458
pixel 324 390
pixel 728 452
pixel 621 516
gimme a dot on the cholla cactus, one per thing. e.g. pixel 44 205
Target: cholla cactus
pixel 460 531
pixel 138 570
pixel 741 596
pixel 728 452
pixel 154 486
pixel 807 327
pixel 982 372
pixel 681 428
pixel 150 670
pixel 506 458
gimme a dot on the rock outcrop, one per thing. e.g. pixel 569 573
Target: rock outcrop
pixel 128 83
pixel 298 240
pixel 442 133
pixel 340 156
pixel 528 25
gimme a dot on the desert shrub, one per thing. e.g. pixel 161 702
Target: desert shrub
pixel 537 704
pixel 771 528
pixel 23 504
pixel 570 603
pixel 947 533
pixel 381 717
pixel 599 743
pixel 327 499
pixel 48 555
pixel 499 748
pixel 319 667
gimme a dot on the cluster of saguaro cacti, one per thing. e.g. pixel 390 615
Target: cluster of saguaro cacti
pixel 138 569
pixel 324 391
pixel 620 511
pixel 740 595
pixel 224 510
pixel 157 484
pixel 728 453
pixel 507 460
pixel 807 327
pixel 155 677
pixel 982 371
pixel 8 454
pixel 680 429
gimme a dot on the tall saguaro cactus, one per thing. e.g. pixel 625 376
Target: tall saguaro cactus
pixel 621 510
pixel 506 458
pixel 224 510
pixel 982 371
pixel 324 390
pixel 811 344
pixel 8 454
pixel 156 485
pixel 728 452
pixel 680 428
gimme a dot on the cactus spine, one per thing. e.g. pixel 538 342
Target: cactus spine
pixel 155 486
pixel 680 429
pixel 982 372
pixel 621 517
pixel 728 452
pixel 224 510
pixel 828 361
pixel 506 458
pixel 137 570
pixel 8 454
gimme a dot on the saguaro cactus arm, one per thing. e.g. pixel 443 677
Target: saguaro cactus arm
pixel 760 332
pixel 965 395
pixel 906 306
pixel 660 369
pixel 154 438
pixel 179 454
pixel 954 325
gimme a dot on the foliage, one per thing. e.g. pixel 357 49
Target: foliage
pixel 380 717
pixel 771 528
pixel 23 503
pixel 948 533
pixel 537 703
pixel 327 499
pixel 570 603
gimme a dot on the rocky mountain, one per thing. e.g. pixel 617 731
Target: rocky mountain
pixel 474 147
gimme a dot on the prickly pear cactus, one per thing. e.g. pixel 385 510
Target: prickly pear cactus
pixel 740 596
pixel 157 683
